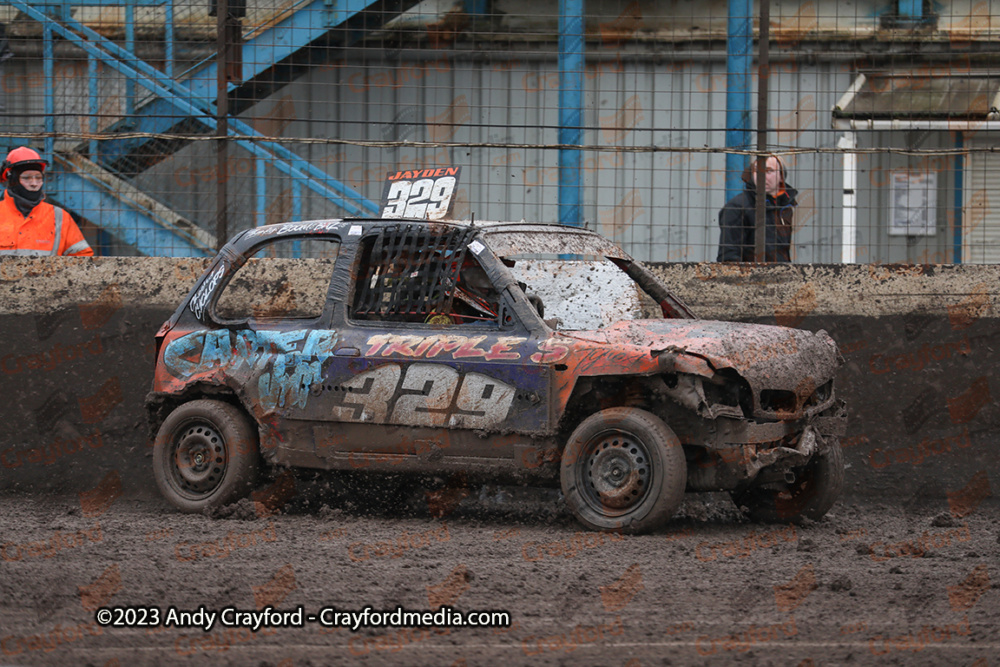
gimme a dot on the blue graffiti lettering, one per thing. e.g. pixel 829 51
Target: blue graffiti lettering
pixel 175 356
pixel 281 342
pixel 248 349
pixel 289 379
pixel 217 350
pixel 276 390
pixel 319 343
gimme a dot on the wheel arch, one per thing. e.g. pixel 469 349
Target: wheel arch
pixel 206 454
pixel 159 405
pixel 595 393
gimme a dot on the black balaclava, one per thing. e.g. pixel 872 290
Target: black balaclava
pixel 24 199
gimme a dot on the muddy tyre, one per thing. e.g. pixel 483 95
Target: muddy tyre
pixel 205 455
pixel 623 470
pixel 816 488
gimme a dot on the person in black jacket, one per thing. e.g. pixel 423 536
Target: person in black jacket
pixel 738 217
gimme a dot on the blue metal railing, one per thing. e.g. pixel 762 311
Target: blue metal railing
pixel 193 98
pixel 739 46
pixel 571 67
pixel 266 46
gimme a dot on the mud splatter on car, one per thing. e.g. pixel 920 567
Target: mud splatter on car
pixel 425 348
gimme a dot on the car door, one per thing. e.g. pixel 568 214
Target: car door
pixel 429 361
pixel 273 337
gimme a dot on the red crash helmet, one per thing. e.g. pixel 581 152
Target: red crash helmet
pixel 21 157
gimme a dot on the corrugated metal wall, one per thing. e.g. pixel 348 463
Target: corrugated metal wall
pixel 642 92
pixel 661 206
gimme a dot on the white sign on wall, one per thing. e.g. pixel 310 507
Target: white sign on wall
pixel 912 203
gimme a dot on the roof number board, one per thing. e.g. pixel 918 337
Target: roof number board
pixel 421 194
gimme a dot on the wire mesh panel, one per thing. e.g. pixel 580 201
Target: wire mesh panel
pixel 410 273
pixel 635 119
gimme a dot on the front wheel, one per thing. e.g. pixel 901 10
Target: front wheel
pixel 623 469
pixel 205 455
pixel 815 489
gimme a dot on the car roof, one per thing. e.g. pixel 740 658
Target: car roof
pixel 510 237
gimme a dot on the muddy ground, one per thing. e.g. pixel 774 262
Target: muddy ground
pixel 878 584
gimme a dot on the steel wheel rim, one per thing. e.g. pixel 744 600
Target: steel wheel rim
pixel 616 472
pixel 198 458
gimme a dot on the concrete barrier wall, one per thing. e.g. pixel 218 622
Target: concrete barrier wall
pixel 922 347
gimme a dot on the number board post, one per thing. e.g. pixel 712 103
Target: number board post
pixel 420 194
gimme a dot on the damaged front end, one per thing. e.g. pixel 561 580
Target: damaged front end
pixel 743 426
pixel 738 466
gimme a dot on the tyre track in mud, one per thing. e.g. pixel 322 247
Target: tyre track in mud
pixel 867 585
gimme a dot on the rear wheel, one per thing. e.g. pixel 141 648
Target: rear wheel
pixel 623 469
pixel 815 489
pixel 205 455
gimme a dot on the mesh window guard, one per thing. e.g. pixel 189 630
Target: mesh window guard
pixel 409 272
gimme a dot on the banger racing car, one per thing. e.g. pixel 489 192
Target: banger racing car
pixel 424 347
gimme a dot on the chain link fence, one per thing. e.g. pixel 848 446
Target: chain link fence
pixel 885 114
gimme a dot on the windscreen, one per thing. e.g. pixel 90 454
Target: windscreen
pixel 578 292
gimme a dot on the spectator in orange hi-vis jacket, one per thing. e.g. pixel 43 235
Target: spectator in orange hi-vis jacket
pixel 29 225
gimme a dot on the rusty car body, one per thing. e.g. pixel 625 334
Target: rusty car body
pixel 421 350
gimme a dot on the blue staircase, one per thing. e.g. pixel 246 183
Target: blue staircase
pixel 125 211
pixel 269 56
pixel 273 52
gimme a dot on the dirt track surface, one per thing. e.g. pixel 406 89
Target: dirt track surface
pixel 867 585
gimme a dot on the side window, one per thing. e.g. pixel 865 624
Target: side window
pixel 287 278
pixel 412 274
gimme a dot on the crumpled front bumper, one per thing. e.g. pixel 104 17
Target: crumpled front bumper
pixel 744 449
pixel 830 422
